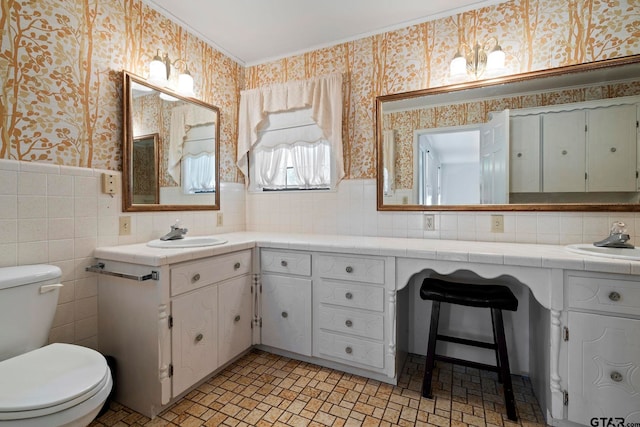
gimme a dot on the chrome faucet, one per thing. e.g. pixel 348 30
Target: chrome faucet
pixel 618 237
pixel 176 232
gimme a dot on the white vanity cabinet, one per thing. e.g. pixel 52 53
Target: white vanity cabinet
pixel 337 309
pixel 603 347
pixel 167 335
pixel 286 300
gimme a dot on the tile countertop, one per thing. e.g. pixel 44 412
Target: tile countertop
pixel 512 254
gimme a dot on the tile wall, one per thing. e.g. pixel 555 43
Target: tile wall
pixel 351 210
pixel 58 215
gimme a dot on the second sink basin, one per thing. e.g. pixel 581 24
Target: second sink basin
pixel 620 253
pixel 187 242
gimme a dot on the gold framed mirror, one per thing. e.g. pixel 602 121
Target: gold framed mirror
pixel 181 172
pixel 563 139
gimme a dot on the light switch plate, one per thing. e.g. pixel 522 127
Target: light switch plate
pixel 497 223
pixel 109 183
pixel 125 226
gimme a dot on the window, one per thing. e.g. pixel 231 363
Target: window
pixel 291 154
pixel 290 135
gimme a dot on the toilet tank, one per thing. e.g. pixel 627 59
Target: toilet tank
pixel 28 300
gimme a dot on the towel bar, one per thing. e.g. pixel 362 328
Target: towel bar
pixel 99 268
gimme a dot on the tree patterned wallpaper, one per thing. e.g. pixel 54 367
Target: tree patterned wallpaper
pixel 61 63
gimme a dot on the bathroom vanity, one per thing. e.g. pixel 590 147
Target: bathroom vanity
pixel 346 303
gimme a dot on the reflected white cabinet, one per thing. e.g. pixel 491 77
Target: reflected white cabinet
pixel 564 151
pixel 590 149
pixel 524 166
pixel 166 335
pixel 603 355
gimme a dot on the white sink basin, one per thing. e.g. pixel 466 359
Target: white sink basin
pixel 620 253
pixel 187 242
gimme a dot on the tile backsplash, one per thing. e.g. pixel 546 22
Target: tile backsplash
pixel 351 210
pixel 58 215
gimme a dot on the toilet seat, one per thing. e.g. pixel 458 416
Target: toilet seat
pixel 49 380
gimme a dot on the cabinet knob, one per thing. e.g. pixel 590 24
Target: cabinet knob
pixel 616 376
pixel 348 350
pixel 519 154
pixel 236 266
pixel 348 323
pixel 348 295
pixel 199 337
pixel 564 152
pixel 283 263
pixel 613 149
pixel 237 318
pixel 285 314
pixel 614 296
pixel 195 277
pixel 349 269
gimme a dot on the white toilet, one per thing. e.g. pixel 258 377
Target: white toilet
pixel 55 385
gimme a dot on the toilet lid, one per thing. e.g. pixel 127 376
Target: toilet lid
pixel 50 377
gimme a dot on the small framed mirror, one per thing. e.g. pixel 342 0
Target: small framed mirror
pixel 145 179
pixel 171 150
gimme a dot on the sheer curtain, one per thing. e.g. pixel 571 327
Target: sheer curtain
pixel 311 163
pixel 199 173
pixel 270 166
pixel 322 97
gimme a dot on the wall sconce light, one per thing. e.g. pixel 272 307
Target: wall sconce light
pixel 475 61
pixel 160 70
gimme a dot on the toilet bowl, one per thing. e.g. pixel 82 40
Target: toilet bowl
pixel 51 386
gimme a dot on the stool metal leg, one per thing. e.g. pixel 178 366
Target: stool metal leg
pixel 431 350
pixel 509 400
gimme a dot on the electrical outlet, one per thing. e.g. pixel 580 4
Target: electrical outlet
pixel 125 226
pixel 219 220
pixel 429 222
pixel 109 183
pixel 497 223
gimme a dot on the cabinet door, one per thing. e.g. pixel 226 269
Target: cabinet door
pixel 524 167
pixel 194 337
pixel 611 148
pixel 286 313
pixel 604 368
pixel 235 316
pixel 564 151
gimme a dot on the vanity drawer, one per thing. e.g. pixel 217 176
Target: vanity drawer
pixel 603 294
pixel 298 263
pixel 351 350
pixel 367 325
pixel 349 295
pixel 369 270
pixel 194 275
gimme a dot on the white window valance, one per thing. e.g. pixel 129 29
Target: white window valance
pixel 323 96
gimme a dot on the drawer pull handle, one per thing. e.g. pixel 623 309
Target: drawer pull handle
pixel 349 269
pixel 236 266
pixel 348 323
pixel 348 350
pixel 283 263
pixel 564 152
pixel 285 314
pixel 199 337
pixel 195 277
pixel 613 149
pixel 237 318
pixel 616 376
pixel 348 295
pixel 614 296
pixel 519 154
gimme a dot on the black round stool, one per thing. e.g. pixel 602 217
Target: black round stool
pixel 495 297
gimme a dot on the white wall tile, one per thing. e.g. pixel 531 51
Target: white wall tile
pixel 32 207
pixel 8 182
pixel 32 184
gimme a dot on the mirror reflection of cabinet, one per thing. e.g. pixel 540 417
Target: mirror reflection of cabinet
pixel 584 149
